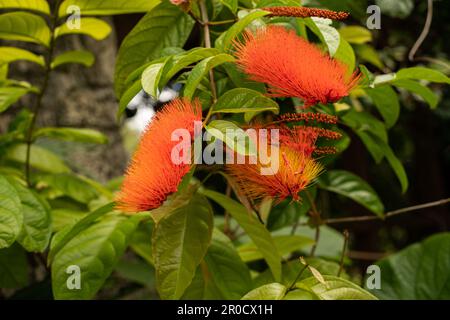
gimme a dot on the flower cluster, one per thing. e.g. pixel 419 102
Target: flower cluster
pixel 291 67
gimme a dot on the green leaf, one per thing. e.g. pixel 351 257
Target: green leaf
pixel 11 217
pixel 70 185
pixel 107 8
pixel 37 224
pixel 79 56
pixel 92 27
pixel 386 101
pixel 417 88
pixel 225 41
pixel 355 34
pixel 11 54
pixel 260 236
pixel 285 245
pixel 273 291
pixel 24 26
pixel 421 73
pixel 201 70
pixel 222 275
pixel 128 95
pixel 243 100
pixel 81 225
pixel 164 26
pixel 351 186
pixel 95 250
pixel 231 4
pixel 335 289
pixel 180 241
pixel 13 267
pixel 141 241
pixel 346 55
pixel 233 136
pixel 329 36
pixel 397 9
pixel 33 5
pixel 185 59
pixel 151 77
pixel 62 218
pixel 369 54
pixel 394 162
pixel 41 158
pixel 72 134
pixel 419 272
pixel 10 95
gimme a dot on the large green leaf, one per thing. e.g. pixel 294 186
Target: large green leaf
pixel 180 241
pixel 386 101
pixel 33 5
pixel 72 134
pixel 10 95
pixel 233 136
pixel 225 41
pixel 422 73
pixel 95 250
pixel 24 26
pixel 285 245
pixel 11 54
pixel 165 26
pixel 419 272
pixel 327 34
pixel 108 7
pixel 415 87
pixel 185 59
pixel 62 238
pixel 69 185
pixel 201 70
pixel 79 56
pixel 11 217
pixel 244 100
pixel 151 77
pixel 255 230
pixel 41 158
pixel 272 291
pixel 13 267
pixel 351 186
pixel 222 275
pixel 92 27
pixel 334 289
pixel 355 34
pixel 37 224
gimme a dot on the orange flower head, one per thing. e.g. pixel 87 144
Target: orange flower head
pixel 297 169
pixel 293 67
pixel 152 175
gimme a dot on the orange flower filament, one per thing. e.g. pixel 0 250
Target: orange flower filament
pixel 297 169
pixel 152 175
pixel 293 67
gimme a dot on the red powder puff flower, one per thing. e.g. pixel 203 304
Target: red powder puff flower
pixel 304 12
pixel 153 175
pixel 296 170
pixel 293 67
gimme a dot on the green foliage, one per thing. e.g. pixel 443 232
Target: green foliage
pixel 418 272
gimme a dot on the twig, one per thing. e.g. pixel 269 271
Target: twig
pixel 363 255
pixel 297 277
pixel 424 33
pixel 344 249
pixel 38 104
pixel 390 213
pixel 316 241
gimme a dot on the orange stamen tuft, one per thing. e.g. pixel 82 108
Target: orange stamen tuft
pixel 152 175
pixel 293 67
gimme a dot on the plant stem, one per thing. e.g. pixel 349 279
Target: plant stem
pixel 424 33
pixel 390 213
pixel 344 249
pixel 297 277
pixel 207 36
pixel 316 241
pixel 38 103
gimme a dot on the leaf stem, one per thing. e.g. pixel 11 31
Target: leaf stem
pixel 42 91
pixel 344 250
